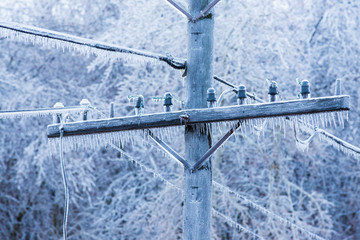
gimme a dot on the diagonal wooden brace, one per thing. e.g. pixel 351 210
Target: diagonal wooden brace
pixel 182 10
pixel 166 148
pixel 213 149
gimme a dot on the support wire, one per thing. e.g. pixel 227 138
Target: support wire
pixel 66 188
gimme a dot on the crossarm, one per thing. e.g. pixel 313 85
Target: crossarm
pixel 204 115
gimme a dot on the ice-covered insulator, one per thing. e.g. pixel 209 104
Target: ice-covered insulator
pixel 241 94
pixel 139 106
pixel 168 102
pixel 211 97
pixel 57 117
pixel 85 104
pixel 273 91
pixel 112 111
pixel 305 89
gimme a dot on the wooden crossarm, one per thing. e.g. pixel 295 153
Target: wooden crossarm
pixel 204 115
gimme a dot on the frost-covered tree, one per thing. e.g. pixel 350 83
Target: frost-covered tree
pixel 114 194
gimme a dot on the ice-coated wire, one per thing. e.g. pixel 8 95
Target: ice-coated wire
pixel 303 144
pixel 222 96
pixel 84 46
pixel 341 144
pixel 66 188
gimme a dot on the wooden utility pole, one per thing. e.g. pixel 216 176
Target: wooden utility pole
pixel 198 142
pixel 198 184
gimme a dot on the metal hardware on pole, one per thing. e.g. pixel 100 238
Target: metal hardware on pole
pixel 305 89
pixel 58 117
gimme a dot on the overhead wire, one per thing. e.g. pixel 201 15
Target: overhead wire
pixel 86 46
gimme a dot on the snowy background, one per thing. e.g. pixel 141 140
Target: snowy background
pixel 135 192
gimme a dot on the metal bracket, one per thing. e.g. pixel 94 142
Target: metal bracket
pixel 201 15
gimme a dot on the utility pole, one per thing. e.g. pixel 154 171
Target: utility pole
pixel 198 142
pixel 198 184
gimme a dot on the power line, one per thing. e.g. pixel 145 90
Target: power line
pixel 85 46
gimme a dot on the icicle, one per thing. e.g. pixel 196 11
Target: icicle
pixel 339 144
pixel 93 141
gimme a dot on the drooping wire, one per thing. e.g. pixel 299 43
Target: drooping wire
pixel 66 188
pixel 303 144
